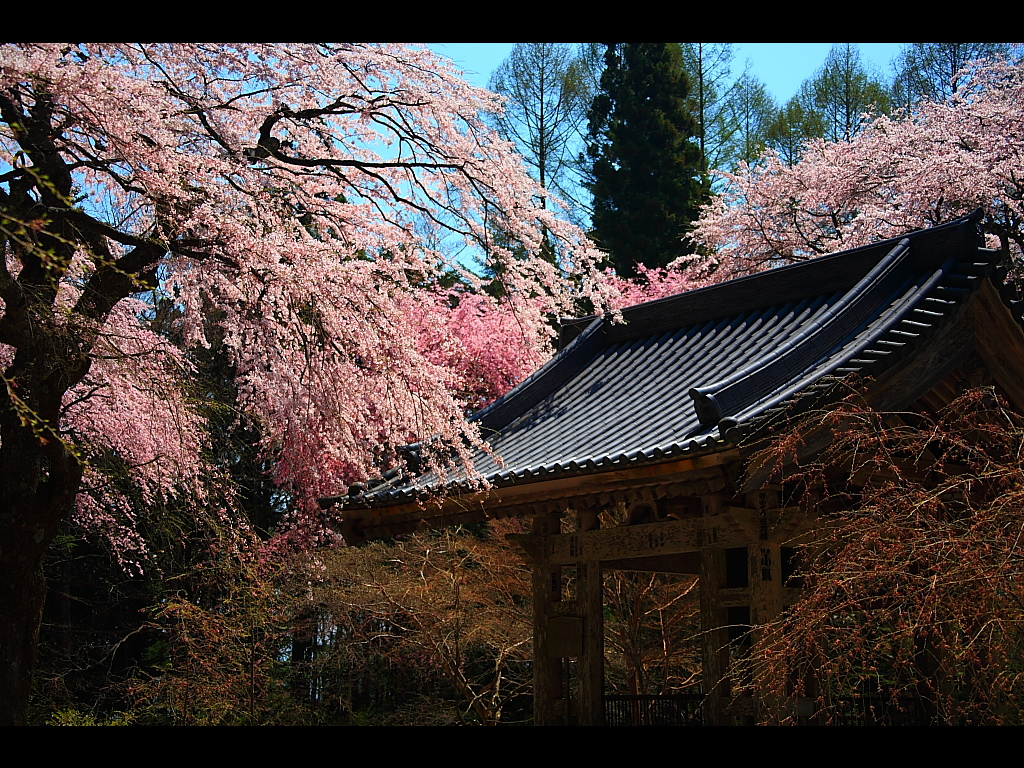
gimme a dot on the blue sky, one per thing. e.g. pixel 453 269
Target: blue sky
pixel 781 66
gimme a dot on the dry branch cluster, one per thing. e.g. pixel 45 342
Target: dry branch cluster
pixel 914 583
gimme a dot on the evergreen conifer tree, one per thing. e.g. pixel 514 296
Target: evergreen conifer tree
pixel 645 169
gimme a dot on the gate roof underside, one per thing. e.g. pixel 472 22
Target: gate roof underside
pixel 698 372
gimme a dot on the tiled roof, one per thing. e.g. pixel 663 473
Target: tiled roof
pixel 699 371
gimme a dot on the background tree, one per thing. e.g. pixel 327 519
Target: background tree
pixel 708 67
pixel 935 71
pixel 217 639
pixel 842 92
pixel 830 105
pixel 546 92
pixel 257 194
pixel 792 127
pixel 652 622
pixel 449 608
pixel 645 183
pixel 752 112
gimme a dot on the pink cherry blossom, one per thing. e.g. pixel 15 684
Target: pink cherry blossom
pixel 275 196
pixel 902 172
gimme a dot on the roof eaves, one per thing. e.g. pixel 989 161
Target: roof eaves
pixel 905 326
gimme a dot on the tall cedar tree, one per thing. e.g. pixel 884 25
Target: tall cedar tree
pixel 645 168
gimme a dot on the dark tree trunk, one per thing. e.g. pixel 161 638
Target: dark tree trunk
pixel 39 480
pixel 22 593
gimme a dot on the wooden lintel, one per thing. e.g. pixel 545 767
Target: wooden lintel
pixel 531 547
pixel 912 378
pixel 784 524
pixel 683 562
pixel 788 525
pixel 628 546
pixel 733 597
pixel 730 529
pixel 736 597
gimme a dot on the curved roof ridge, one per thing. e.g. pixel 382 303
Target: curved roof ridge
pixel 728 396
pixel 831 272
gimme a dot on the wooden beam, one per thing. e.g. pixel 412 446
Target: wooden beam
pixel 900 386
pixel 683 562
pixel 626 544
pixel 1000 342
pixel 909 380
pixel 764 579
pixel 730 529
pixel 562 488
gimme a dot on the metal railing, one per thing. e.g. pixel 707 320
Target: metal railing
pixel 685 709
pixel 675 709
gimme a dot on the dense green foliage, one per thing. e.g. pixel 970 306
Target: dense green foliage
pixel 645 171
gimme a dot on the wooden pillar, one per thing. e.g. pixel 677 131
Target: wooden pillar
pixel 713 619
pixel 590 599
pixel 548 685
pixel 764 570
pixel 764 567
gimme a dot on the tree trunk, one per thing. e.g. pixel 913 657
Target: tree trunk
pixel 22 593
pixel 39 480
